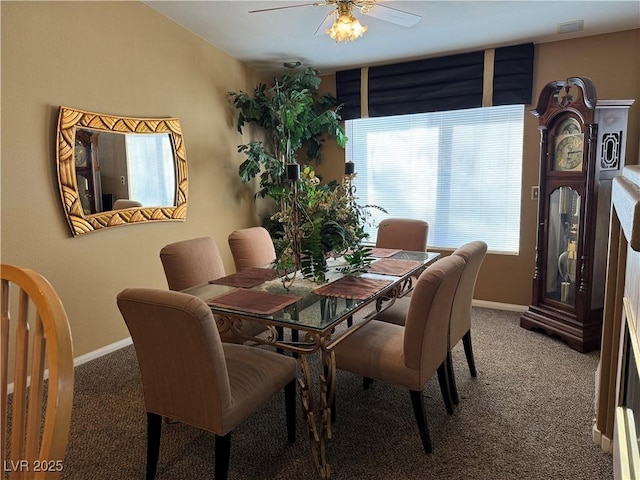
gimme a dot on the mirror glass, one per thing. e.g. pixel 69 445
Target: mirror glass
pixel 120 170
pixel 112 166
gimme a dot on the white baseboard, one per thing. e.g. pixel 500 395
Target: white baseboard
pixel 87 357
pixel 606 444
pixel 499 306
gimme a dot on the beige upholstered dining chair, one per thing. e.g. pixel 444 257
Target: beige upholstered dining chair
pixel 251 247
pixel 192 262
pixel 40 337
pixel 473 254
pixel 190 376
pixel 409 355
pixel 403 233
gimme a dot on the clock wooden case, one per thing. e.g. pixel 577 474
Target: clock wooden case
pixel 582 147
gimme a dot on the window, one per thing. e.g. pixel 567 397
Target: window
pixel 459 170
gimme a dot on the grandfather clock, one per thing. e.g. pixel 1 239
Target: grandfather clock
pixel 582 147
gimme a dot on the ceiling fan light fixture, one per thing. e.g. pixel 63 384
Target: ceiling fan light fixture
pixel 346 27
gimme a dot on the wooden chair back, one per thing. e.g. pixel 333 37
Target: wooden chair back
pixel 37 344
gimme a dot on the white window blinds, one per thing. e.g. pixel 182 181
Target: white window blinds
pixel 458 170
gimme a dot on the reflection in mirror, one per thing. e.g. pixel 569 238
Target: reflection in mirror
pixel 129 166
pixel 151 169
pixel 119 170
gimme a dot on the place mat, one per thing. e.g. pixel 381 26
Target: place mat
pixel 247 278
pixel 358 288
pixel 393 266
pixel 383 252
pixel 253 301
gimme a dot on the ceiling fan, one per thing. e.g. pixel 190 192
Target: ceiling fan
pixel 341 25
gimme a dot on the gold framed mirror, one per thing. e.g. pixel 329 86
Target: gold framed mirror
pixel 115 170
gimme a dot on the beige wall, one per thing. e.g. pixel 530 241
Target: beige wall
pixel 124 58
pixel 613 63
pixel 118 58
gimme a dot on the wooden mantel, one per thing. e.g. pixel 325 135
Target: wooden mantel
pixel 622 288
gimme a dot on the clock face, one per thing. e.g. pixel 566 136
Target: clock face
pixel 569 146
pixel 81 156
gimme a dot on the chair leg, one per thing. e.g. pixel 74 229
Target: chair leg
pixel 290 408
pixel 452 379
pixel 295 336
pixel 366 382
pixel 445 387
pixel 154 429
pixel 468 351
pixel 222 453
pixel 280 332
pixel 421 419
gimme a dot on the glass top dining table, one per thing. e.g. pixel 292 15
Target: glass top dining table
pixel 257 294
pixel 324 314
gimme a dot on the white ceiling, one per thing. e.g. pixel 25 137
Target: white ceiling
pixel 266 40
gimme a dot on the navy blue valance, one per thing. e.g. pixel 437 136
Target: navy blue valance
pixel 513 75
pixel 426 85
pixel 348 93
pixel 446 83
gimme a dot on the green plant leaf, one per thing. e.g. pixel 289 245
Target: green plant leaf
pixel 294 115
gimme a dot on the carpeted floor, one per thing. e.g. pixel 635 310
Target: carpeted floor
pixel 527 415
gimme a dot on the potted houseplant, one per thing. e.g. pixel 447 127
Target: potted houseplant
pixel 313 221
pixel 294 116
pixel 319 221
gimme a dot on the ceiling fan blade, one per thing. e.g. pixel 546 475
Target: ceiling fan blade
pixel 314 4
pixel 393 15
pixel 326 23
